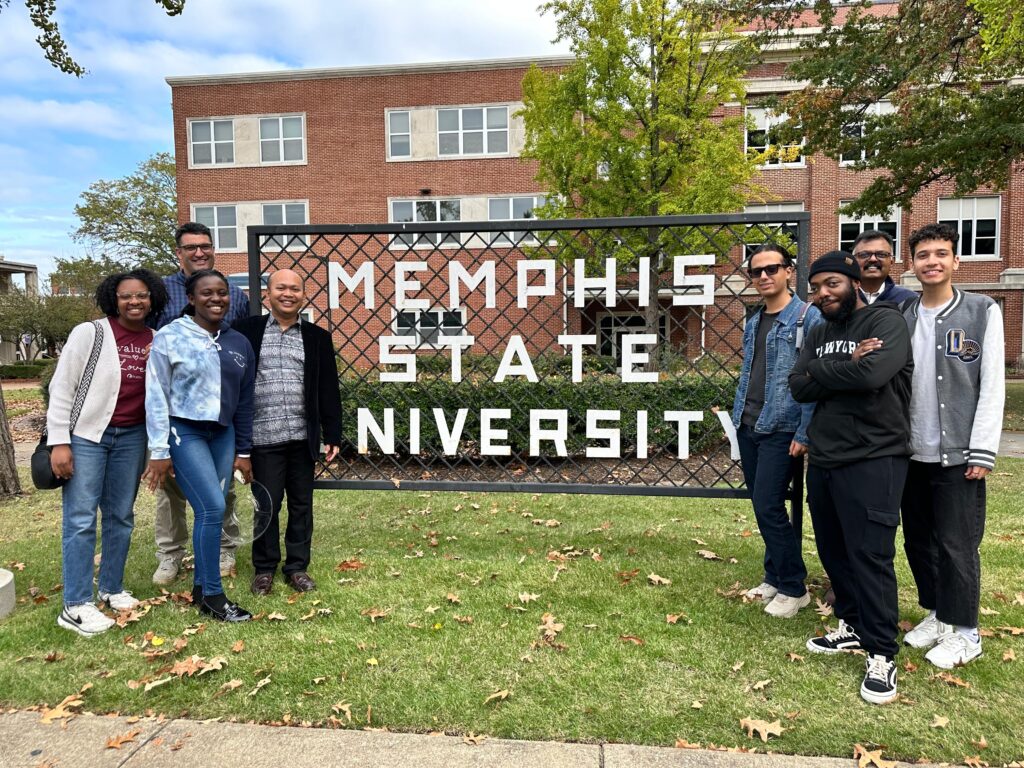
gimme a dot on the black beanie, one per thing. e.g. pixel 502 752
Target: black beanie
pixel 836 261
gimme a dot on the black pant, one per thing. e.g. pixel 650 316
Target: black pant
pixel 280 468
pixel 943 522
pixel 856 510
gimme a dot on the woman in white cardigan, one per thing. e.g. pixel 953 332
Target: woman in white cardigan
pixel 96 428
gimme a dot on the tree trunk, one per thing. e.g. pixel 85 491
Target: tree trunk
pixel 9 484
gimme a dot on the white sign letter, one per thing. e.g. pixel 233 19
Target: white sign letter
pixel 523 288
pixel 706 283
pixel 631 358
pixel 516 349
pixel 404 285
pixel 575 344
pixel 683 419
pixel 556 435
pixel 582 283
pixel 595 432
pixel 459 274
pixel 450 438
pixel 456 343
pixel 385 437
pixel 488 433
pixel 336 273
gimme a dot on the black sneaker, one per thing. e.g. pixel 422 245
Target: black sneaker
pixel 879 686
pixel 836 641
pixel 229 612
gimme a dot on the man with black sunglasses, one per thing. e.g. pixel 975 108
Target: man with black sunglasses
pixel 771 428
pixel 874 252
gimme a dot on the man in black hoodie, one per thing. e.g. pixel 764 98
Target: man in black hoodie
pixel 859 449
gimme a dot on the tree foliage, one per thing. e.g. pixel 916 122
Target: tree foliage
pixel 131 221
pixel 944 65
pixel 55 50
pixel 48 320
pixel 634 127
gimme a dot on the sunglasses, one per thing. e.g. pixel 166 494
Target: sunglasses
pixel 771 270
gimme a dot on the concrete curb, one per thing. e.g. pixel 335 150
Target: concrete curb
pixel 26 742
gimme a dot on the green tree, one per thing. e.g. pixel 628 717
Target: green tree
pixel 131 221
pixel 81 276
pixel 55 50
pixel 944 65
pixel 634 127
pixel 48 320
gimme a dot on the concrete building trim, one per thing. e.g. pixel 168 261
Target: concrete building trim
pixel 380 70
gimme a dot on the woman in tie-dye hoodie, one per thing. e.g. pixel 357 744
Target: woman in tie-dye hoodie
pixel 199 394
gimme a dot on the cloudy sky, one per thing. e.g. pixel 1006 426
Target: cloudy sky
pixel 61 133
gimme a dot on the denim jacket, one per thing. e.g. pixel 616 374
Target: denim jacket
pixel 781 413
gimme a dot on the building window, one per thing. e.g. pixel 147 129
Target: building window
pixel 285 213
pixel 611 328
pixel 472 131
pixel 399 134
pixel 282 139
pixel 513 208
pixel 417 211
pixel 764 143
pixel 223 223
pixel 855 132
pixel 784 234
pixel 213 142
pixel 977 221
pixel 241 281
pixel 424 328
pixel 850 227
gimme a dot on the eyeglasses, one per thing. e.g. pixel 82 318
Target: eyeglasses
pixel 865 255
pixel 771 270
pixel 204 247
pixel 140 295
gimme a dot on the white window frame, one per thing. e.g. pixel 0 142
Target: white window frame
pixel 620 328
pixel 417 341
pixel 969 206
pixel 865 223
pixel 281 139
pixel 217 228
pixel 511 239
pixel 877 109
pixel 764 120
pixel 428 239
pixel 796 207
pixel 484 129
pixel 392 133
pixel 295 242
pixel 213 142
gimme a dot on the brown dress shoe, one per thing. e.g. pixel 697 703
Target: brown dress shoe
pixel 300 581
pixel 262 584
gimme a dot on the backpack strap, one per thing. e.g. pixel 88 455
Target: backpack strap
pixel 800 325
pixel 90 369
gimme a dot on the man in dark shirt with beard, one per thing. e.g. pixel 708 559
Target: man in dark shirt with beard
pixel 859 449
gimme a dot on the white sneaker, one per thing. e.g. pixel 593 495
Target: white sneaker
pixel 166 571
pixel 786 607
pixel 927 633
pixel 85 619
pixel 227 563
pixel 119 601
pixel 953 650
pixel 763 592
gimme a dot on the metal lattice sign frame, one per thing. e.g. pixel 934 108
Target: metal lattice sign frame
pixel 583 356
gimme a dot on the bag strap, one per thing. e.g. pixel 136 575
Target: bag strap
pixel 90 369
pixel 800 326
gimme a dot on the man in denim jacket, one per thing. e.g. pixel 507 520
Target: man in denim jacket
pixel 771 427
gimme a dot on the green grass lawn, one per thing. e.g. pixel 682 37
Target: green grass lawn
pixel 455 573
pixel 1013 417
pixel 22 401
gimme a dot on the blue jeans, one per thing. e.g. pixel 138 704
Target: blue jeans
pixel 203 454
pixel 106 475
pixel 768 469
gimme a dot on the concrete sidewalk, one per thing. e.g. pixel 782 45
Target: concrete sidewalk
pixel 26 742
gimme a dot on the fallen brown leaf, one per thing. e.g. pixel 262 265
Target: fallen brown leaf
pixel 276 617
pixel 261 684
pixel 632 639
pixel 684 744
pixel 822 608
pixel 452 598
pixel 625 577
pixel 497 696
pixel 238 646
pixel 658 581
pixel 938 721
pixel 116 742
pixel 975 762
pixel 707 554
pixel 762 728
pixel 230 685
pixel 527 597
pixel 353 564
pixel 1009 655
pixel 951 679
pixel 866 758
pixel 981 743
pixel 794 657
pixel 374 613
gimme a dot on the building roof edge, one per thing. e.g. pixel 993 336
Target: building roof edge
pixel 376 70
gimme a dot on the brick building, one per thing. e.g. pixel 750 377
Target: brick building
pixel 440 142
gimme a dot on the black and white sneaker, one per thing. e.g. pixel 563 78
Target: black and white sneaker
pixel 86 619
pixel 879 686
pixel 845 638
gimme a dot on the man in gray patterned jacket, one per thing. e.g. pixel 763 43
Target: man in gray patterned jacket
pixel 956 416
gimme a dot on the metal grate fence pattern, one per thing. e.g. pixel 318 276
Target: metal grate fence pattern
pixel 585 356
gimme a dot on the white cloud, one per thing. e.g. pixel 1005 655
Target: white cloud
pixel 78 117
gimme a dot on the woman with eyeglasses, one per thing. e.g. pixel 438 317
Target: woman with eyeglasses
pixel 96 428
pixel 199 401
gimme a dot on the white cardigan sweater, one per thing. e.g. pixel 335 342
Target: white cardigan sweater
pixel 102 395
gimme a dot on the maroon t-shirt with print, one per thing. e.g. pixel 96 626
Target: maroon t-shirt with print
pixel 133 351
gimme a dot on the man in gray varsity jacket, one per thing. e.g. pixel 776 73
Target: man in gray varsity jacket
pixel 956 416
